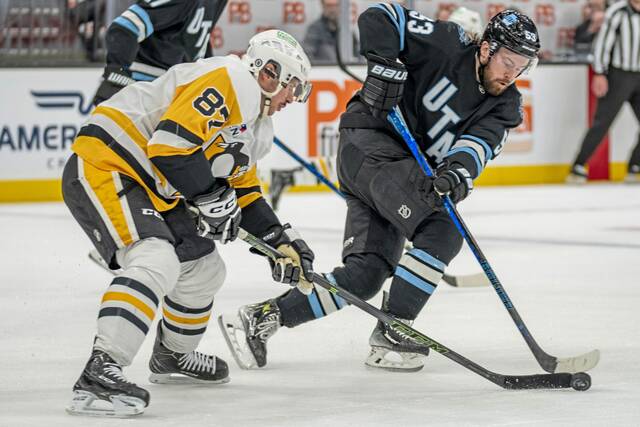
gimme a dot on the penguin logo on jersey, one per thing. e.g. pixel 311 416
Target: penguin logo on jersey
pixel 404 211
pixel 231 162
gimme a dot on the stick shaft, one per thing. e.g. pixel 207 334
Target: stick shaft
pixel 307 165
pixel 418 338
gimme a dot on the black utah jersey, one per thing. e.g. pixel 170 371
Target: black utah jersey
pixel 153 35
pixel 447 110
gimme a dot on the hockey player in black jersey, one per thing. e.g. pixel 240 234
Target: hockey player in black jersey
pixel 460 101
pixel 153 35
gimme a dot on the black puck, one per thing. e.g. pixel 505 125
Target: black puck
pixel 581 381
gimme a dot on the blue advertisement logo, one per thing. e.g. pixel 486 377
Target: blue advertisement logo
pixel 62 99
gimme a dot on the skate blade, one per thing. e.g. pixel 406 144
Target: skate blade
pixel 239 349
pixel 87 404
pixel 183 379
pixel 382 358
pixel 575 180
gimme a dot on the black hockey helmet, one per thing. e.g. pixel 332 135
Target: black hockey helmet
pixel 514 31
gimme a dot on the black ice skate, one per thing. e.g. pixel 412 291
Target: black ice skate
pixel 633 175
pixel 577 175
pixel 257 322
pixel 103 391
pixel 391 351
pixel 170 367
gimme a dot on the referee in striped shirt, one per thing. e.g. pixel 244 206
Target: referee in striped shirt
pixel 617 80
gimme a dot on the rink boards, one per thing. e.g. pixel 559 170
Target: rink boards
pixel 43 108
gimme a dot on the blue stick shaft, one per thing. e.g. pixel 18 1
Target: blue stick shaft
pixel 398 122
pixel 309 166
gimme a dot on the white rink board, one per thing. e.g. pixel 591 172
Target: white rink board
pixel 42 108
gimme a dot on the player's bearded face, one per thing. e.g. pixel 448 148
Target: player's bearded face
pixel 502 70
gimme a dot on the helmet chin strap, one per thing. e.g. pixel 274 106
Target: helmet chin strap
pixel 264 111
pixel 266 104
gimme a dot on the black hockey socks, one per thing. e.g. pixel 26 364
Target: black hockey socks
pixel 297 308
pixel 414 281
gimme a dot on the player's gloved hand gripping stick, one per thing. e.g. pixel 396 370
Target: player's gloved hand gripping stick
pixel 295 266
pixel 547 362
pixel 579 381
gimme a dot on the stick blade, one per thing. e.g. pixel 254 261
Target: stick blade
pixel 529 382
pixel 467 281
pixel 581 363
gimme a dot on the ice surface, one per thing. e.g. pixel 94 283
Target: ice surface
pixel 569 258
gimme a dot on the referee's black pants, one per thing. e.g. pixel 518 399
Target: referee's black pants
pixel 624 86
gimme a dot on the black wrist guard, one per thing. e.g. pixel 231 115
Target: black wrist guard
pixel 383 87
pixel 113 79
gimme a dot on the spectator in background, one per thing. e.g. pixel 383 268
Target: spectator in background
pixel 88 19
pixel 322 35
pixel 616 81
pixel 469 20
pixel 593 17
pixel 444 12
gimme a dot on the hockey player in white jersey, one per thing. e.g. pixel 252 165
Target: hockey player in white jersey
pixel 160 171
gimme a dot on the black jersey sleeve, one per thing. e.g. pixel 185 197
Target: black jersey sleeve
pixel 485 139
pixel 122 47
pixel 258 217
pixel 139 22
pixel 393 32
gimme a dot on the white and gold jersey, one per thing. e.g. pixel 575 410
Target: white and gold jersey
pixel 173 135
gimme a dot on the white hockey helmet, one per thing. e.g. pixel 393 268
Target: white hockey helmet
pixel 285 53
pixel 469 20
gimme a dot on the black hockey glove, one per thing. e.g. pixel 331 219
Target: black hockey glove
pixel 454 181
pixel 383 87
pixel 219 214
pixel 113 79
pixel 297 268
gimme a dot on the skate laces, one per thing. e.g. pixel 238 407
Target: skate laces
pixel 196 361
pixel 398 336
pixel 266 325
pixel 264 320
pixel 114 371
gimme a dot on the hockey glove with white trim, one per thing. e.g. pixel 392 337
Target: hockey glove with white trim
pixel 219 214
pixel 453 180
pixel 297 268
pixel 113 79
pixel 383 87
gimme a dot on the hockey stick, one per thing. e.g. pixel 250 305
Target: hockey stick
pixel 465 281
pixel 547 362
pixel 309 166
pixel 95 256
pixel 578 381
